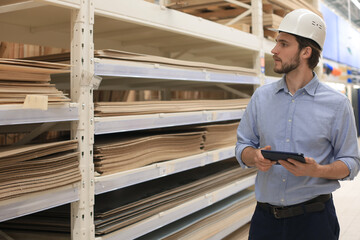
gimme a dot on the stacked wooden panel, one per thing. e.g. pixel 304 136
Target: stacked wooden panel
pixel 145 200
pixel 224 12
pixel 118 153
pixel 106 109
pixel 21 50
pixel 20 78
pixel 215 223
pixel 37 167
pixel 115 153
pixel 163 195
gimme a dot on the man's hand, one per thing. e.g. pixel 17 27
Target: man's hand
pixel 335 170
pixel 262 163
pixel 310 168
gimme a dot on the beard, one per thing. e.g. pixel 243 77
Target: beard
pixel 288 67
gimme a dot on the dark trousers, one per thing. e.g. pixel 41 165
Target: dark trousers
pixel 321 225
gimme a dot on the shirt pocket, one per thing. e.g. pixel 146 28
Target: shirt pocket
pixel 312 127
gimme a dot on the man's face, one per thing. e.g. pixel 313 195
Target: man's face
pixel 286 53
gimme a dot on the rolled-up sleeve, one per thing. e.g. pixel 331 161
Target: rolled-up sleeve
pixel 247 133
pixel 344 138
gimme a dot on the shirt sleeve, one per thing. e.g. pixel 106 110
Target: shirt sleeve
pixel 344 139
pixel 247 133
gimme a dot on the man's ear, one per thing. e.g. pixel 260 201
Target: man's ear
pixel 306 52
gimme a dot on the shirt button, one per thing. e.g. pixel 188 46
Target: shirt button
pixel 284 180
pixel 290 120
pixel 293 100
pixel 287 140
pixel 303 93
pixel 282 199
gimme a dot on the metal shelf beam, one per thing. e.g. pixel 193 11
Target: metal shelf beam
pixel 35 202
pixel 147 14
pixel 127 178
pixel 105 125
pixel 156 71
pixel 15 114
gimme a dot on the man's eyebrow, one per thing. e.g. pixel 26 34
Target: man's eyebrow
pixel 281 40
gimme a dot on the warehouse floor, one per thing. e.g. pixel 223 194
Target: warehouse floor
pixel 347 200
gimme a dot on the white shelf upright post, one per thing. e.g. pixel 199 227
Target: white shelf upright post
pixel 82 71
pixel 258 30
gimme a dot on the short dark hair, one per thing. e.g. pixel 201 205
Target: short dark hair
pixel 315 53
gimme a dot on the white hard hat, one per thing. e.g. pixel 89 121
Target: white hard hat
pixel 304 23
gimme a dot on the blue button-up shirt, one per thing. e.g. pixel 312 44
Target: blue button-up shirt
pixel 317 121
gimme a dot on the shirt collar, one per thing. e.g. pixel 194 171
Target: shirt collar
pixel 310 88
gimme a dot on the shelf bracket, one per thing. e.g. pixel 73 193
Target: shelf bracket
pixel 241 16
pixel 238 18
pixel 36 132
pixel 232 90
pixel 5 236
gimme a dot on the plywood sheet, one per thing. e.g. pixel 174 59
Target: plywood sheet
pixel 121 55
pixel 151 59
pixel 37 167
pixel 220 135
pixel 104 109
pixel 19 78
pixel 120 154
pixel 133 213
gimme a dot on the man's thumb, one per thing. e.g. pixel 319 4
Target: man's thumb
pixel 267 147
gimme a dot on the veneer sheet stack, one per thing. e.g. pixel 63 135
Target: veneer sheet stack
pixel 115 56
pixel 226 13
pixel 121 152
pixel 143 201
pixel 136 57
pixel 19 78
pixel 218 217
pixel 115 153
pixel 106 109
pixel 138 202
pixel 37 167
pixel 220 135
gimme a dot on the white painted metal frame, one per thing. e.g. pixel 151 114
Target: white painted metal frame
pixel 16 114
pixel 82 71
pixel 35 202
pixel 148 14
pixel 156 16
pixel 104 125
pixel 158 71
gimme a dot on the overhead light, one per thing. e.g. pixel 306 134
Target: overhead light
pixel 356 3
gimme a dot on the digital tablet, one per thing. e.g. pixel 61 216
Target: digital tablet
pixel 278 155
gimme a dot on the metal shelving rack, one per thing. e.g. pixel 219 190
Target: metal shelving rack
pixel 131 177
pixel 15 114
pixel 36 121
pixel 182 210
pixel 11 117
pixel 83 24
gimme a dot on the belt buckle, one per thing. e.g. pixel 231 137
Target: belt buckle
pixel 276 213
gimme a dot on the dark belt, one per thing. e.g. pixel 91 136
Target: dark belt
pixel 314 205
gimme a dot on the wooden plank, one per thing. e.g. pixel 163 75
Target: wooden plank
pixel 221 13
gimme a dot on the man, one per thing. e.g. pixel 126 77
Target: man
pixel 298 114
